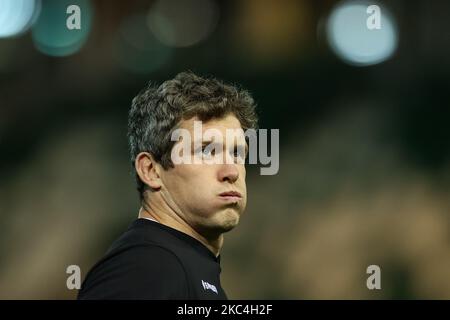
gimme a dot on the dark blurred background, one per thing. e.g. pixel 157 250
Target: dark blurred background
pixel 364 139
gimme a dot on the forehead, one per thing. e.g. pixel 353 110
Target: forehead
pixel 227 122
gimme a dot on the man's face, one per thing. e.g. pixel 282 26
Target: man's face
pixel 200 193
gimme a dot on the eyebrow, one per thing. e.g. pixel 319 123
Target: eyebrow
pixel 202 142
pixel 210 141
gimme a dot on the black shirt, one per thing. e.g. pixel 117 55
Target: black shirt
pixel 153 261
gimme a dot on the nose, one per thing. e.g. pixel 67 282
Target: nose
pixel 228 172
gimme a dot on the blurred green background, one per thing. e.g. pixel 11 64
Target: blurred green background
pixel 364 139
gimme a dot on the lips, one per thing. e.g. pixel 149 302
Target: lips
pixel 231 194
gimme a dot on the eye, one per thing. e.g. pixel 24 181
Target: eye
pixel 239 153
pixel 208 151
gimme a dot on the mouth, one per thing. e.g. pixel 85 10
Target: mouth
pixel 232 196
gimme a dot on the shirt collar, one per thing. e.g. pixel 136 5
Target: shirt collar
pixel 200 247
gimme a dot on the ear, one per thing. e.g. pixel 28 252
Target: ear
pixel 148 170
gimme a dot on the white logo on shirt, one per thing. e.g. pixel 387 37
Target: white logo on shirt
pixel 208 286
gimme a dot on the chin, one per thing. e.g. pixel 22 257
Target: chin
pixel 223 221
pixel 228 219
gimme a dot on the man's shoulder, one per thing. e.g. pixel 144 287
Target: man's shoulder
pixel 144 271
pixel 141 263
pixel 143 253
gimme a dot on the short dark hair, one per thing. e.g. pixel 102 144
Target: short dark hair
pixel 157 110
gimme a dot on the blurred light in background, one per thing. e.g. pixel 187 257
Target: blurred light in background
pixel 137 49
pixel 351 39
pixel 50 33
pixel 183 23
pixel 17 16
pixel 271 32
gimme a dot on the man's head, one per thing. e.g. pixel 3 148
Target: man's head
pixel 195 192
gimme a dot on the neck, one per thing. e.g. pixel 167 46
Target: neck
pixel 214 244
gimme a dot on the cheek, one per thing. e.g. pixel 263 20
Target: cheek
pixel 195 182
pixel 242 174
pixel 178 181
